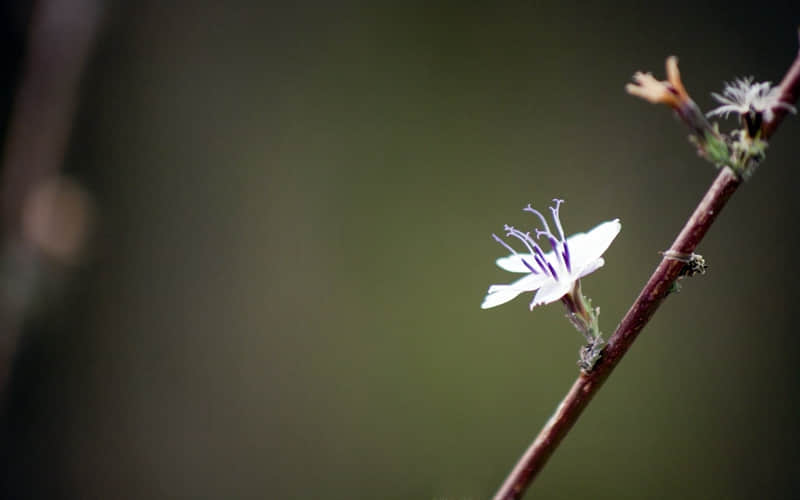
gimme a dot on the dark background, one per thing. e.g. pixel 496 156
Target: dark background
pixel 295 207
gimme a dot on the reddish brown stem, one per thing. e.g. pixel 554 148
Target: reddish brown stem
pixel 790 91
pixel 651 296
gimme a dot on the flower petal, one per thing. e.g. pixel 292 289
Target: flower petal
pixel 514 264
pixel 551 292
pixel 725 110
pixel 586 248
pixel 592 267
pixel 531 282
pixel 527 283
pixel 499 294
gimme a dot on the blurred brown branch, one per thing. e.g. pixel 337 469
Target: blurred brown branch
pixel 43 214
pixel 645 306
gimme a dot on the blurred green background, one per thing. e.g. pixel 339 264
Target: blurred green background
pixel 295 213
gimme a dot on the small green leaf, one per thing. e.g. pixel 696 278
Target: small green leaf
pixel 716 149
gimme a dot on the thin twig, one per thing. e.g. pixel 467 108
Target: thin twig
pixel 654 292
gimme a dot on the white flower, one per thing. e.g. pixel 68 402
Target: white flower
pixel 553 274
pixel 743 96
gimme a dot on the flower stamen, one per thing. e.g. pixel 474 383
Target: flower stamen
pixel 533 248
pixel 532 210
pixel 514 252
pixel 556 218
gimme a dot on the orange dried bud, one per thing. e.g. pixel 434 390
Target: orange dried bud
pixel 670 92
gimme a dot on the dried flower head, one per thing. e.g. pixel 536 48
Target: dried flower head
pixel 670 92
pixel 744 97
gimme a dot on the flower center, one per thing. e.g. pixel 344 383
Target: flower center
pixel 559 245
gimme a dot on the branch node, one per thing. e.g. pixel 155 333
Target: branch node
pixel 694 263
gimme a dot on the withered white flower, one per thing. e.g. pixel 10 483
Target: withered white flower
pixel 554 274
pixel 743 97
